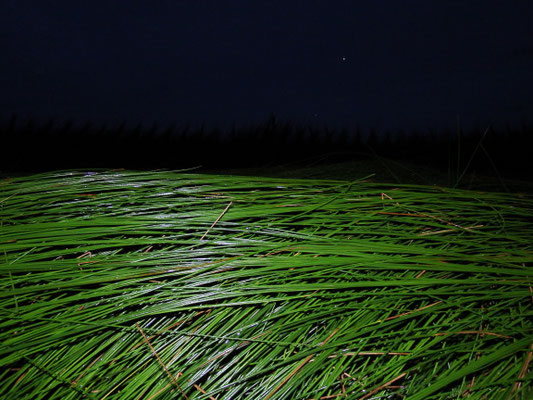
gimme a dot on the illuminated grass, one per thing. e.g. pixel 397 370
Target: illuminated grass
pixel 163 285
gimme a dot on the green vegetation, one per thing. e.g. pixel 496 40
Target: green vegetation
pixel 174 285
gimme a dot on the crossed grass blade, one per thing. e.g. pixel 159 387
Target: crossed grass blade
pixel 299 289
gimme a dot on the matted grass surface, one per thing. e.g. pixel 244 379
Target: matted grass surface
pixel 169 285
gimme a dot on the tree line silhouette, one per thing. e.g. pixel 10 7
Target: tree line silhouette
pixel 32 146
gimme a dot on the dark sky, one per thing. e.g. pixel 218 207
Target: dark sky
pixel 382 64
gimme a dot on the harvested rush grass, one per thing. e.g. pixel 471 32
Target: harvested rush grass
pixel 167 285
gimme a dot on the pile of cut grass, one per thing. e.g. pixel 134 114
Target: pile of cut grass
pixel 171 285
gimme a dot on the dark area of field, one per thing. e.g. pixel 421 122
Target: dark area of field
pixel 482 157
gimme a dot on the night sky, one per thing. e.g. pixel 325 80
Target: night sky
pixel 386 65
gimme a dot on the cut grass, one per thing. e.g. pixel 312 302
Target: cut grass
pixel 160 285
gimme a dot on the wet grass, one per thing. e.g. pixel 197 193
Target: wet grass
pixel 160 285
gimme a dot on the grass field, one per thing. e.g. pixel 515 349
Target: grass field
pixel 121 284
